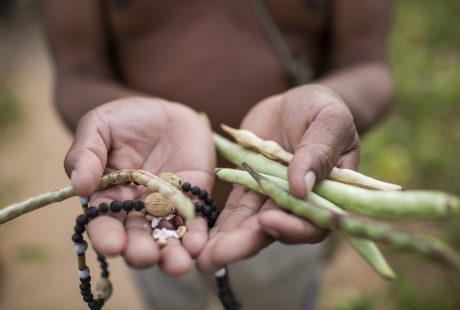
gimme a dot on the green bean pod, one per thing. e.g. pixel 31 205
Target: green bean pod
pixel 397 205
pixel 424 245
pixel 367 249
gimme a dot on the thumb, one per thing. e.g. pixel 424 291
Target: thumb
pixel 86 159
pixel 326 139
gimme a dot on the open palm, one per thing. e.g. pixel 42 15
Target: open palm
pixel 149 134
pixel 314 124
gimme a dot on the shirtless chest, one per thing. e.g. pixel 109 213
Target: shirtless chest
pixel 210 54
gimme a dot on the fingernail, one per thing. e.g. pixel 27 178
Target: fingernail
pixel 309 178
pixel 273 233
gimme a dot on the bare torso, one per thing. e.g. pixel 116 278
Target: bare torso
pixel 212 55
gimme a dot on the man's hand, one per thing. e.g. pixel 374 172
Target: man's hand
pixel 314 123
pixel 149 134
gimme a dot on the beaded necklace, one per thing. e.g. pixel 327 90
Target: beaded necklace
pixel 206 208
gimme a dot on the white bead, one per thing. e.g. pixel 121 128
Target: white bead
pixel 80 247
pixel 220 273
pixel 84 200
pixel 83 274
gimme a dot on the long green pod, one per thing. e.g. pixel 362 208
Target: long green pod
pixel 406 205
pixel 414 204
pixel 367 249
pixel 424 245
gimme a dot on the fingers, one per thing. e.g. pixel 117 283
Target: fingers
pixel 236 211
pixel 175 260
pixel 197 229
pixel 290 229
pixel 237 234
pixel 87 157
pixel 141 250
pixel 330 134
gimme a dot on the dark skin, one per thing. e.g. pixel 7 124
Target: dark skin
pixel 213 56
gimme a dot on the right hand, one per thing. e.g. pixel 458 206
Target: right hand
pixel 149 134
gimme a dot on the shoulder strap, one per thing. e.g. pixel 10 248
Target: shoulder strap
pixel 298 71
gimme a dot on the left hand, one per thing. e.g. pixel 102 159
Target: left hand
pixel 313 122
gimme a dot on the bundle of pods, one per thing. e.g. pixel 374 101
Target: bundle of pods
pixel 344 190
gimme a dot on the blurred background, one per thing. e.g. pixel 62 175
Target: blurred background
pixel 417 146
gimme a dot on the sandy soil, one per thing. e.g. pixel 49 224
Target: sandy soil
pixel 38 266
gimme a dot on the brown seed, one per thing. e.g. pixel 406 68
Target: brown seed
pixel 181 230
pixel 166 224
pixel 157 205
pixel 171 178
pixel 178 221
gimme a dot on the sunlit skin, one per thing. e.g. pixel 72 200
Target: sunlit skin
pixel 136 64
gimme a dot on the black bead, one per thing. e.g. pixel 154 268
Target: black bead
pixel 138 205
pixel 77 237
pixel 88 298
pixel 203 195
pixel 86 292
pixel 101 258
pixel 85 280
pixel 209 201
pixel 198 206
pixel 104 207
pixel 105 274
pixel 94 305
pixel 115 206
pixel 103 265
pixel 82 219
pixel 186 186
pixel 85 286
pixel 213 216
pixel 195 190
pixel 79 229
pixel 92 212
pixel 207 211
pixel 127 205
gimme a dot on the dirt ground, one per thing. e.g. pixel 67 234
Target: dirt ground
pixel 37 264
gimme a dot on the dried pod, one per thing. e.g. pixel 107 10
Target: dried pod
pixel 157 205
pixel 171 178
pixel 181 230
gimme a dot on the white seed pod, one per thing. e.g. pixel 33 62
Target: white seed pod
pixel 171 178
pixel 158 206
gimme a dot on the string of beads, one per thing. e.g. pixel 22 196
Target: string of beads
pixel 206 208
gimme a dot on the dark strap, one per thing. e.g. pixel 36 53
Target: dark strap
pixel 298 71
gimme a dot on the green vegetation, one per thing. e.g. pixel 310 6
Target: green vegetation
pixel 418 145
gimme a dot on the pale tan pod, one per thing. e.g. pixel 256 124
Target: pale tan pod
pixel 171 178
pixel 157 205
pixel 181 230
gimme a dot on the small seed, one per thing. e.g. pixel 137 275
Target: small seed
pixel 181 230
pixel 149 218
pixel 178 221
pixel 166 224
